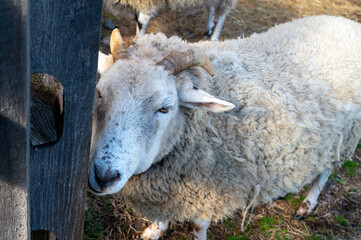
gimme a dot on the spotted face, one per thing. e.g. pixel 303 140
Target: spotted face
pixel 137 114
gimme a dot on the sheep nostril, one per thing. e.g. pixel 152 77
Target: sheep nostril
pixel 106 179
pixel 111 179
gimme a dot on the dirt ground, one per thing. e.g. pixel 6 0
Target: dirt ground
pixel 338 214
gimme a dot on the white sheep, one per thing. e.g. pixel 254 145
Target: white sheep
pixel 148 9
pixel 291 112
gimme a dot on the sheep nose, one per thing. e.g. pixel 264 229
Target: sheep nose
pixel 106 178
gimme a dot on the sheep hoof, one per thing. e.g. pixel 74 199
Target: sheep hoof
pixel 303 210
pixel 154 231
pixel 298 217
pixel 208 33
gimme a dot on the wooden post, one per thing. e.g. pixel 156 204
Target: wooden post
pixel 65 40
pixel 14 120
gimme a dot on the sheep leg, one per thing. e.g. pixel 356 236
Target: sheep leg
pixel 142 22
pixel 218 28
pixel 210 24
pixel 200 231
pixel 310 201
pixel 155 230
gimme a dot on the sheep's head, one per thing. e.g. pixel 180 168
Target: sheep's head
pixel 138 110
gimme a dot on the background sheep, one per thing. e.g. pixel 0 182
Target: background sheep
pixel 148 9
pixel 297 117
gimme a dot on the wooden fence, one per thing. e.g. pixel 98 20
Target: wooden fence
pixel 44 188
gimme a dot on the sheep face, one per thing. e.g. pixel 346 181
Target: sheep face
pixel 137 118
pixel 135 107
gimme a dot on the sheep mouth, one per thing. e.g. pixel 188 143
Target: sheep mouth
pixel 96 192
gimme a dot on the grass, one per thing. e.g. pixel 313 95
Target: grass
pixel 280 235
pixel 232 228
pixel 183 237
pixel 268 223
pixel 272 227
pixel 293 200
pixel 96 221
pixel 93 227
pixel 210 236
pixel 237 238
pixel 350 167
pixel 337 177
pixel 229 223
pixel 341 220
pixel 315 237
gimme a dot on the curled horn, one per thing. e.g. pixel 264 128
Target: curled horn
pixel 181 59
pixel 117 46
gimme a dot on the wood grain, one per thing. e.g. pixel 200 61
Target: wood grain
pixel 46 109
pixel 14 120
pixel 65 39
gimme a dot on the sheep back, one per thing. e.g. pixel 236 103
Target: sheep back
pixel 120 8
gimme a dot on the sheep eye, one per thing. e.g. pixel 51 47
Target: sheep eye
pixel 164 110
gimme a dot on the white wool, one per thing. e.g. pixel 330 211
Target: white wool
pixel 297 95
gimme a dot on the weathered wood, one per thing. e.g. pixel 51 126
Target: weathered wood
pixel 14 120
pixel 42 235
pixel 46 109
pixel 65 38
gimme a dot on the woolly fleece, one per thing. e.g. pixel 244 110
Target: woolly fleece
pixel 297 91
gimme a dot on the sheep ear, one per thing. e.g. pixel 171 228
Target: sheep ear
pixel 104 62
pixel 195 98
